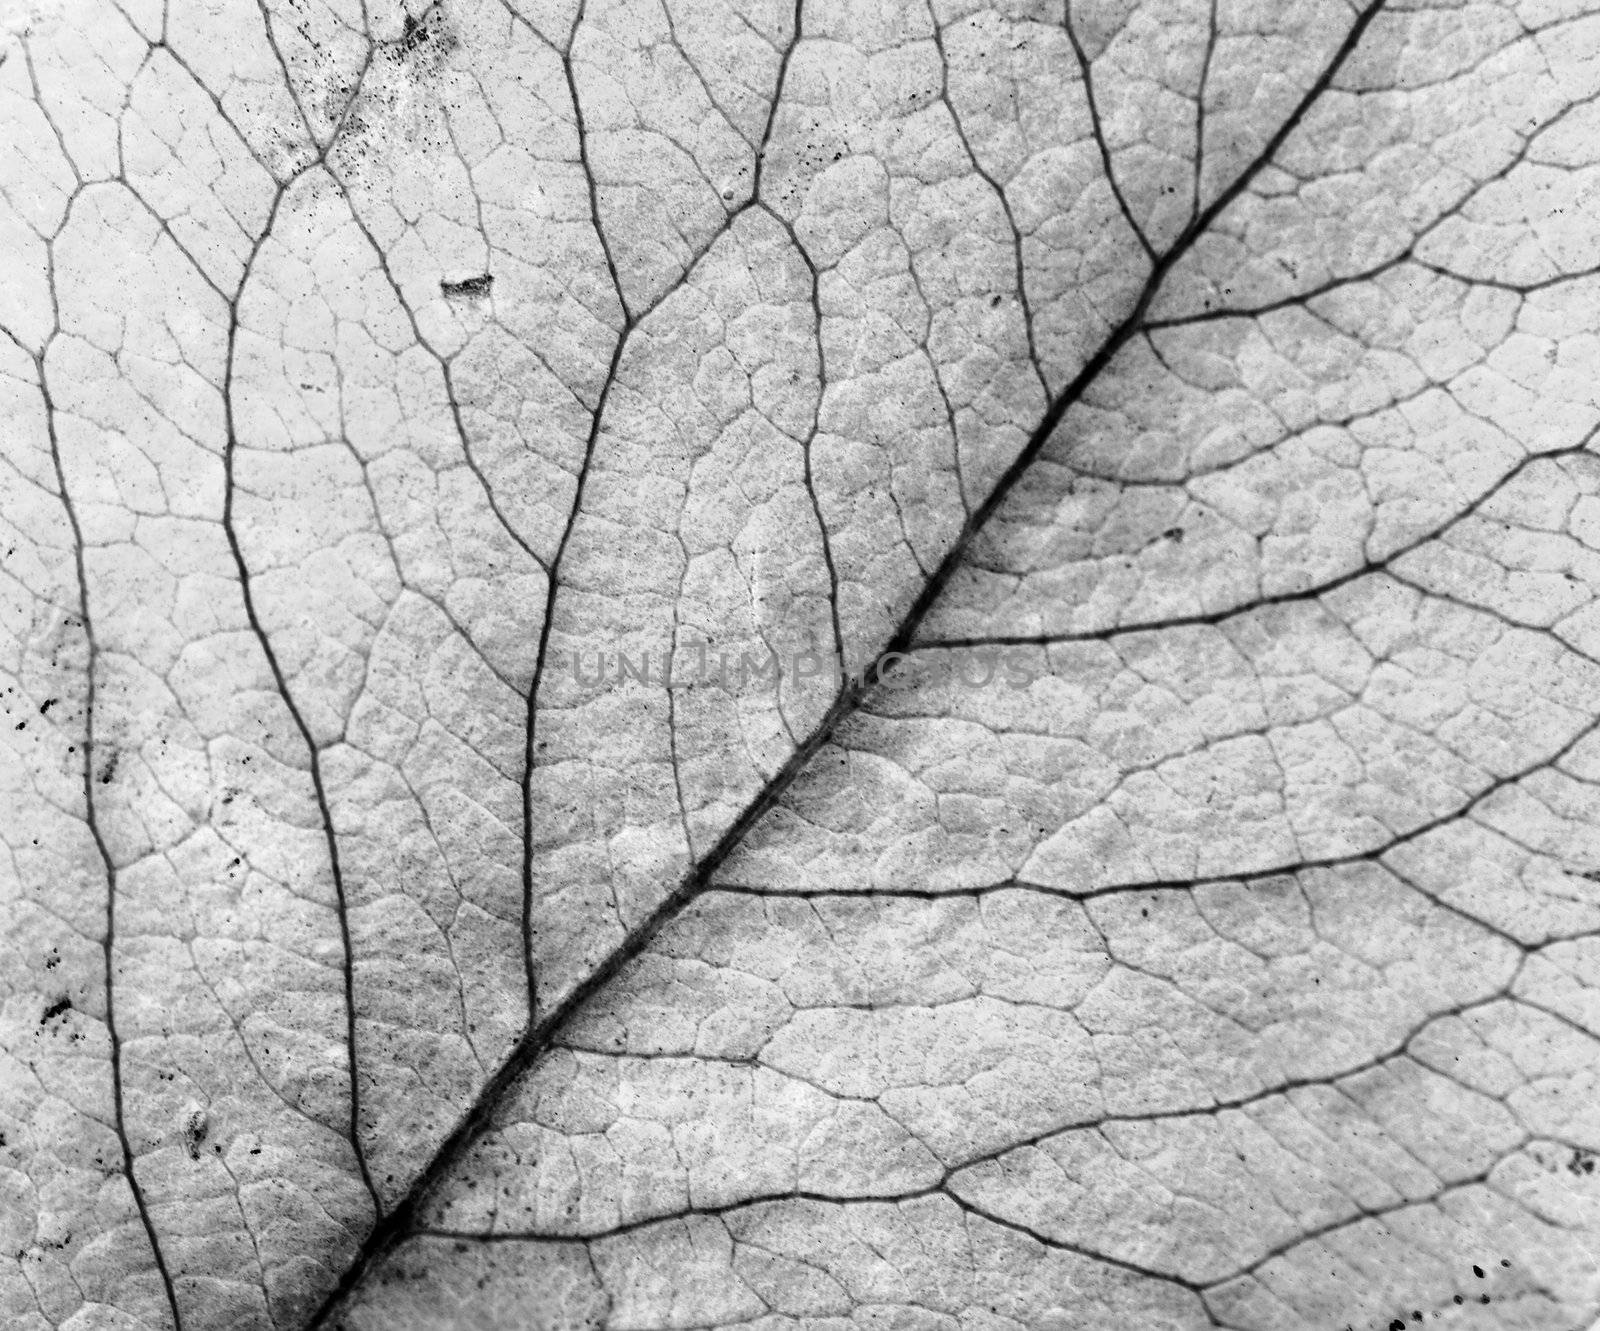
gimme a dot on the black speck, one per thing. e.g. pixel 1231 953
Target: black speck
pixel 1478 1271
pixel 56 1009
pixel 468 286
pixel 194 1132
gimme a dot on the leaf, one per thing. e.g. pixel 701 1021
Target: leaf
pixel 1226 961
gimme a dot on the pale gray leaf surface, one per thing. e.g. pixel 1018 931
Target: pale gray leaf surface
pixel 1226 959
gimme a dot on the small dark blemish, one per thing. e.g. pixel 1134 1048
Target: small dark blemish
pixel 468 286
pixel 1478 1271
pixel 194 1132
pixel 47 704
pixel 56 1009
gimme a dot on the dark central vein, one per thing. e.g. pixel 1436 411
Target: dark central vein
pixel 399 1223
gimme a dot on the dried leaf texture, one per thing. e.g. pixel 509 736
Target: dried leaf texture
pixel 1227 958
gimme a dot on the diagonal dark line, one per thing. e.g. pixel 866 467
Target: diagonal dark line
pixel 258 630
pixel 1086 72
pixel 313 749
pixel 1200 109
pixel 400 1221
pixel 1367 568
pixel 1296 299
pixel 91 817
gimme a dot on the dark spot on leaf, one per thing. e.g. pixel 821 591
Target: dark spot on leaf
pixel 195 1129
pixel 468 286
pixel 55 1010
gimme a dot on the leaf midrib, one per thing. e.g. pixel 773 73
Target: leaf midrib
pixel 394 1227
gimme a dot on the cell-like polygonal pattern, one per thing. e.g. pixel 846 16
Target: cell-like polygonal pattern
pixel 403 407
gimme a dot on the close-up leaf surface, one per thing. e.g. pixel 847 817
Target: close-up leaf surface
pixel 1199 927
